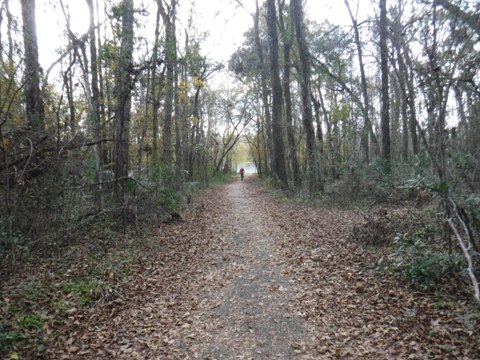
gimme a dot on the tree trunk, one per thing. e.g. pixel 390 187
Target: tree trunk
pixel 315 183
pixel 368 128
pixel 155 98
pixel 316 106
pixel 462 124
pixel 123 98
pixel 406 63
pixel 263 79
pixel 402 74
pixel 385 99
pixel 287 46
pixel 33 98
pixel 170 61
pixel 95 106
pixel 68 83
pixel 277 106
pixel 9 36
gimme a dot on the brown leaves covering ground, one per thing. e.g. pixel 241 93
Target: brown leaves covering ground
pixel 361 313
pixel 246 276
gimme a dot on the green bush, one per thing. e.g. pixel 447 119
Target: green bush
pixel 420 261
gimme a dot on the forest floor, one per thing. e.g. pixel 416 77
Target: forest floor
pixel 248 276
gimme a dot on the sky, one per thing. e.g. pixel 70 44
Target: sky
pixel 224 20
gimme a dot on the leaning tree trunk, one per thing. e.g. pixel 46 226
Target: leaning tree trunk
pixel 315 183
pixel 123 98
pixel 33 99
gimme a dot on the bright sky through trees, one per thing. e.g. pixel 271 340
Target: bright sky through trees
pixel 224 21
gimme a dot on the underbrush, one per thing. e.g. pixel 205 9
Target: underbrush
pixel 404 223
pixel 72 268
pixel 411 244
pixel 35 302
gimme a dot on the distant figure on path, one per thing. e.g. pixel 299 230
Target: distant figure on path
pixel 242 172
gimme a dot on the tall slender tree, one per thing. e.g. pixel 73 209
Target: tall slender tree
pixel 123 97
pixel 367 128
pixel 154 96
pixel 95 102
pixel 315 183
pixel 279 167
pixel 385 110
pixel 287 39
pixel 264 88
pixel 168 15
pixel 33 98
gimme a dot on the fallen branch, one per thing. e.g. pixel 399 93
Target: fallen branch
pixel 466 246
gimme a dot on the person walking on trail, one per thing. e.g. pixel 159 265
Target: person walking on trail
pixel 242 173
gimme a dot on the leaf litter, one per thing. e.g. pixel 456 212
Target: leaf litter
pixel 245 276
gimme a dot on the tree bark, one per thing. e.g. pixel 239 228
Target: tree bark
pixel 287 46
pixel 95 105
pixel 368 128
pixel 170 61
pixel 315 183
pixel 277 106
pixel 155 99
pixel 406 67
pixel 263 80
pixel 33 98
pixel 385 99
pixel 123 96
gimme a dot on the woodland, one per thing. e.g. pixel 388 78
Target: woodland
pixel 118 165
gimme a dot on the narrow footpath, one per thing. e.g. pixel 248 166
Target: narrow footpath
pixel 247 312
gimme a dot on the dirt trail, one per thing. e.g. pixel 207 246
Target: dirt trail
pixel 250 314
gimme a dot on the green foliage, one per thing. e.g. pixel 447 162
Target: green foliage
pixel 9 241
pixel 438 187
pixel 220 177
pixel 422 263
pixel 169 198
pixel 340 112
pixel 463 161
pixel 118 10
pixel 472 206
pixel 90 167
pixel 382 168
pixel 8 338
pixel 421 164
pixel 85 292
pixel 27 327
pixel 31 321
